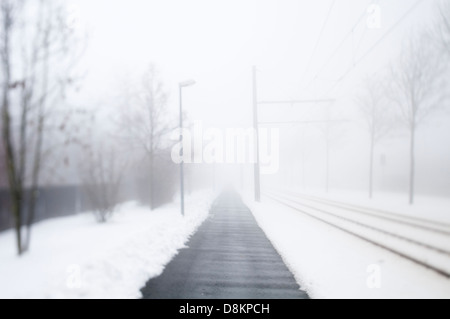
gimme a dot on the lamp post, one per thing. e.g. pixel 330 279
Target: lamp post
pixel 257 173
pixel 181 86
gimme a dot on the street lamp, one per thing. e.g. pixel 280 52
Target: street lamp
pixel 181 86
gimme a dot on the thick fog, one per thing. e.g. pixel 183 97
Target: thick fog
pixel 349 95
pixel 302 51
pixel 239 148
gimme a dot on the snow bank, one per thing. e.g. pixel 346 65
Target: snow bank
pixel 74 257
pixel 333 264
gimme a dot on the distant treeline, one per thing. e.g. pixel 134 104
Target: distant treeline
pixel 61 201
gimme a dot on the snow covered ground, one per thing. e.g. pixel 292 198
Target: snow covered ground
pixel 329 263
pixel 74 257
pixel 425 206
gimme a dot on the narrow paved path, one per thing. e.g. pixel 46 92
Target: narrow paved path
pixel 228 258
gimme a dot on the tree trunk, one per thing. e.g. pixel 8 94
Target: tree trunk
pixel 412 165
pixel 327 182
pixel 328 145
pixel 372 152
pixel 14 188
pixel 15 185
pixel 152 206
pixel 35 183
pixel 30 217
pixel 39 143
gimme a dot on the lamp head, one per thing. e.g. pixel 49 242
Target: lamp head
pixel 187 83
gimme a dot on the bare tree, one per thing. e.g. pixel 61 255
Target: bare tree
pixel 8 10
pixel 378 118
pixel 416 88
pixel 103 172
pixel 3 171
pixel 442 29
pixel 143 122
pixel 36 72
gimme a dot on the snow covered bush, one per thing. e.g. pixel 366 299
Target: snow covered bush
pixel 102 179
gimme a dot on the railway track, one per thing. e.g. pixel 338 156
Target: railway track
pixel 424 242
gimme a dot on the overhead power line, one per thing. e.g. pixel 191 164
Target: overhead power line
pixel 375 45
pixel 338 48
pixel 316 46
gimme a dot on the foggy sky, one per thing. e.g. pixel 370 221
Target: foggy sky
pixel 217 42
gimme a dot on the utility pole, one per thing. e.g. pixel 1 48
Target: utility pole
pixel 327 137
pixel 182 153
pixel 181 86
pixel 256 129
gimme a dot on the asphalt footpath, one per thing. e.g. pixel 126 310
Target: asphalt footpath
pixel 229 257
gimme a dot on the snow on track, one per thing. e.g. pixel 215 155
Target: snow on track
pixel 331 263
pixel 424 245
